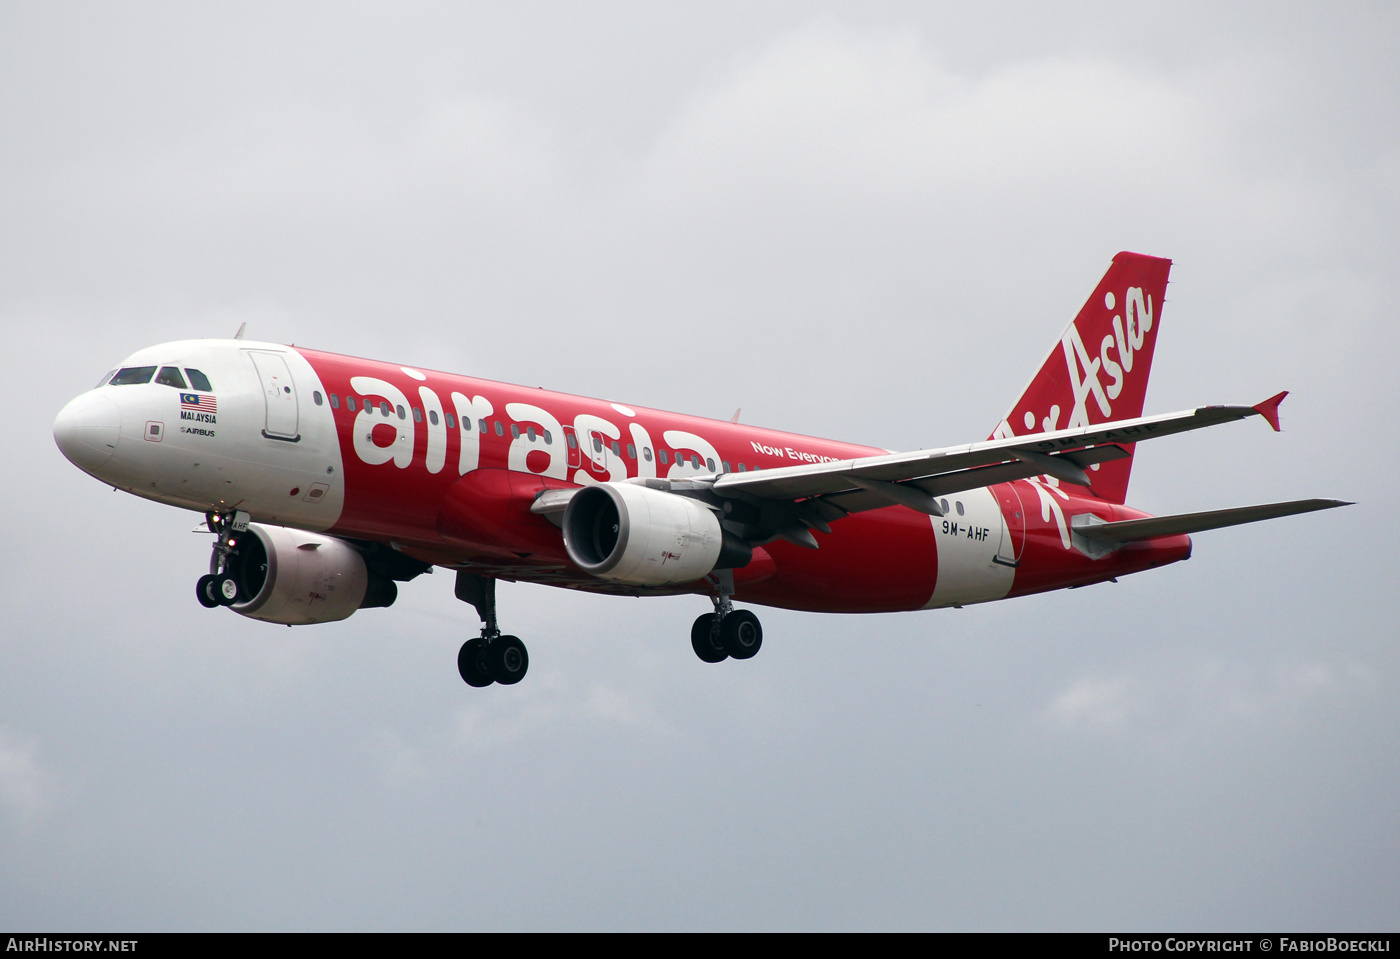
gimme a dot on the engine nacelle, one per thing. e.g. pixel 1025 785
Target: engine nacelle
pixel 633 534
pixel 297 578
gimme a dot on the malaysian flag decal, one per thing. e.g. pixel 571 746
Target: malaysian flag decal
pixel 202 404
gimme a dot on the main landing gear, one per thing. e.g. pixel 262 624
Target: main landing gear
pixel 727 633
pixel 490 658
pixel 220 586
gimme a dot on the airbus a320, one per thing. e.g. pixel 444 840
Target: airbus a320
pixel 327 480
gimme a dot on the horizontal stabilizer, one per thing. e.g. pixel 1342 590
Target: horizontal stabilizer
pixel 1139 529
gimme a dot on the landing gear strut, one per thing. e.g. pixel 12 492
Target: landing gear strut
pixel 727 633
pixel 490 658
pixel 220 586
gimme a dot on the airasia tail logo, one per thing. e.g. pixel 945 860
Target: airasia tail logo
pixel 1096 379
pixel 1129 332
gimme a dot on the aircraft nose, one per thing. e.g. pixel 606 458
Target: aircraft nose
pixel 87 430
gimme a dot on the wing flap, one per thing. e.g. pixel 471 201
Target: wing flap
pixel 859 500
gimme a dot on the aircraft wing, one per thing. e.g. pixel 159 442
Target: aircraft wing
pixel 790 501
pixel 913 479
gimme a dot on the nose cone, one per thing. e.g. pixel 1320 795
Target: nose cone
pixel 87 430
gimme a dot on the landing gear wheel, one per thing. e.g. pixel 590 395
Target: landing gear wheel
pixel 704 639
pixel 208 596
pixel 509 660
pixel 226 589
pixel 471 663
pixel 741 634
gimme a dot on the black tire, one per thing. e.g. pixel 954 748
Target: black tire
pixel 741 634
pixel 472 665
pixel 226 589
pixel 204 590
pixel 509 660
pixel 704 639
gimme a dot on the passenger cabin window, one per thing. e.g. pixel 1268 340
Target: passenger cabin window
pixel 709 464
pixel 500 430
pixel 432 417
pixel 548 438
pixel 530 433
pixel 350 403
pixel 481 425
pixel 335 402
pixel 646 453
pixel 631 451
pixel 514 432
pixel 316 397
pixel 452 423
pixel 418 416
pixel 661 455
pixel 133 376
pixel 402 414
pixel 573 442
pixel 198 380
pixel 725 464
pixel 616 450
pixel 384 408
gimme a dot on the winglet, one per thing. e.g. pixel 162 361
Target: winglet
pixel 1269 409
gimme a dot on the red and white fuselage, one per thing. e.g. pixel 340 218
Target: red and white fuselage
pixel 460 472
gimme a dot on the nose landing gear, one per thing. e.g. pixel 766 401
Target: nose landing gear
pixel 727 633
pixel 220 586
pixel 490 658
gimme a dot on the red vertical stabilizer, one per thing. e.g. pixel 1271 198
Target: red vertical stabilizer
pixel 1098 370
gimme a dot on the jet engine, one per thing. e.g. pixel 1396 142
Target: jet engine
pixel 296 578
pixel 625 533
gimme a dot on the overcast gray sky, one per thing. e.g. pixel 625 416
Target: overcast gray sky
pixel 865 221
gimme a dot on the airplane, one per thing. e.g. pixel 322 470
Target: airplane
pixel 327 480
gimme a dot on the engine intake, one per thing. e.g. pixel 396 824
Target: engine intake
pixel 633 534
pixel 297 578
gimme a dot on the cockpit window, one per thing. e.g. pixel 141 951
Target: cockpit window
pixel 105 378
pixel 170 376
pixel 199 381
pixel 133 375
